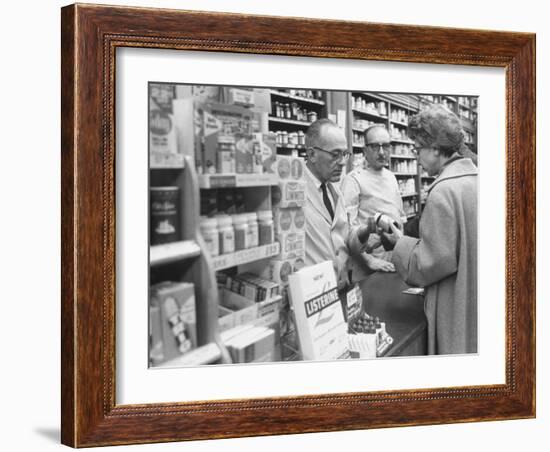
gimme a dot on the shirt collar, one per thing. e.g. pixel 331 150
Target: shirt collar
pixel 316 182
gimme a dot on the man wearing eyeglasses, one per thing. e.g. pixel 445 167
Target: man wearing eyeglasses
pixel 328 232
pixel 370 190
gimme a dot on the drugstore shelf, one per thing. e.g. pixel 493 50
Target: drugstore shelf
pixel 291 147
pixel 399 140
pixel 399 123
pixel 451 98
pixel 237 180
pixel 371 113
pixel 358 145
pixel 403 174
pixel 427 177
pixel 298 98
pixel 245 256
pixel 409 157
pixel 293 122
pixel 412 215
pixel 369 95
pixel 408 195
pixel 172 252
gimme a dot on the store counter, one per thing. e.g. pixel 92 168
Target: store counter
pixel 403 314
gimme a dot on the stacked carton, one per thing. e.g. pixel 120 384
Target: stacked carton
pixel 288 200
pixel 249 317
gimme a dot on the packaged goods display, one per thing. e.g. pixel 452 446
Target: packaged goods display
pixel 368 337
pixel 278 270
pixel 221 124
pixel 251 286
pixel 164 211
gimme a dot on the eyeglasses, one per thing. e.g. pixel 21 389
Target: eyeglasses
pixel 387 147
pixel 337 154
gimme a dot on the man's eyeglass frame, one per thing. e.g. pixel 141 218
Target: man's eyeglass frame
pixel 336 155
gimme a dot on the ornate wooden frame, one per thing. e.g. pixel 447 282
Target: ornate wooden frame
pixel 90 36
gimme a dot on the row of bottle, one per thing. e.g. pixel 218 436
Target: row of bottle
pixel 406 186
pixel 406 150
pixel 293 110
pixel 398 133
pixel 222 201
pixel 470 102
pixel 359 123
pixel 225 234
pixel 400 115
pixel 284 138
pixel 305 93
pixel 404 166
pixel 359 103
pixel 467 114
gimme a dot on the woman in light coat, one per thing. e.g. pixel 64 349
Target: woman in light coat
pixel 444 258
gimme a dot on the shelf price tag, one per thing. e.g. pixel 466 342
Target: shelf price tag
pixel 223 181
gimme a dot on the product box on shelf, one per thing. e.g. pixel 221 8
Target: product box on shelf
pixel 291 219
pixel 293 245
pixel 239 96
pixel 163 145
pixel 245 311
pixel 278 270
pixel 172 307
pixel 244 154
pixel 221 120
pixel 251 286
pixel 320 324
pixel 289 193
pixel 254 344
pixel 290 167
pixel 267 151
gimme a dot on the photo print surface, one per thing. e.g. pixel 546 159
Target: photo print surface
pixel 292 224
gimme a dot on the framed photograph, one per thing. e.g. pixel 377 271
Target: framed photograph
pixel 282 225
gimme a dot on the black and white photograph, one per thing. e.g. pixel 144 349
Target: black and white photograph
pixel 304 224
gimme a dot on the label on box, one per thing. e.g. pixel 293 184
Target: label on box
pixel 241 96
pixel 293 245
pixel 289 193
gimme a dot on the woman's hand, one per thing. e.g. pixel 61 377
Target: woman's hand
pixel 395 235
